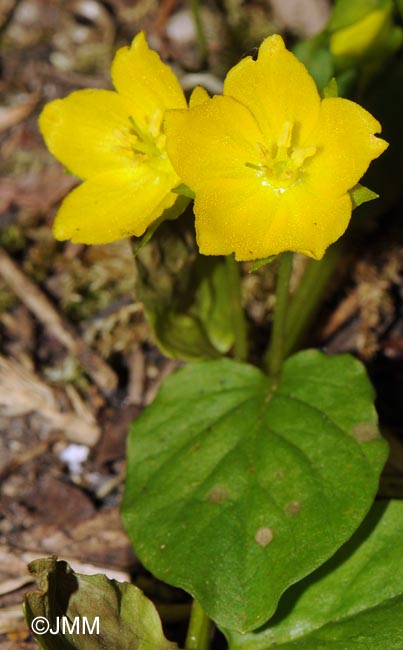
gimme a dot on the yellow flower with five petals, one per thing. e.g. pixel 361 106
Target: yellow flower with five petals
pixel 271 163
pixel 114 141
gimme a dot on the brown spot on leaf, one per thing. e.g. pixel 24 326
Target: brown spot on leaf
pixel 264 536
pixel 293 508
pixel 364 432
pixel 218 494
pixel 279 473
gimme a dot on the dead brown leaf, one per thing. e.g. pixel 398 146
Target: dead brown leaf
pixel 22 392
pixel 11 115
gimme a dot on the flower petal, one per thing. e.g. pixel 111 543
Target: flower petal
pixel 255 221
pixel 86 131
pixel 213 140
pixel 314 220
pixel 199 96
pixel 148 84
pixel 345 143
pixel 114 205
pixel 276 88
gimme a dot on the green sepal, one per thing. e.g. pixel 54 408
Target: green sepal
pixel 184 190
pixel 170 214
pixel 360 194
pixel 259 263
pixel 126 618
pixel 331 89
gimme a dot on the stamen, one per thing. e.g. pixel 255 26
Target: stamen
pixel 299 156
pixel 155 122
pixel 282 165
pixel 147 141
pixel 143 135
pixel 263 150
pixel 285 138
pixel 258 168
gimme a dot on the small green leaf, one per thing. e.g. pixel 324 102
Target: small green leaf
pixel 331 89
pixel 126 618
pixel 259 263
pixel 237 488
pixel 354 601
pixel 184 190
pixel 360 194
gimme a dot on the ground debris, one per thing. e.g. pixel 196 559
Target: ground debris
pixel 38 303
pixel 366 317
pixel 22 391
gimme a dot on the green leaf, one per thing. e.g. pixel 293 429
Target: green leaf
pixel 360 194
pixel 126 618
pixel 354 601
pixel 237 488
pixel 187 297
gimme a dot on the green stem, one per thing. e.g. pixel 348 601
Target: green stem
pixel 199 630
pixel 276 350
pixel 307 297
pixel 200 35
pixel 238 316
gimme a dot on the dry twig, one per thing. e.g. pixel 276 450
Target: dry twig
pixel 11 115
pixel 36 301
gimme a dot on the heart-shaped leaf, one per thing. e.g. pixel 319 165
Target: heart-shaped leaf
pixel 354 601
pixel 238 488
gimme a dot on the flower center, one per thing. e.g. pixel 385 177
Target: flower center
pixel 144 142
pixel 147 142
pixel 282 164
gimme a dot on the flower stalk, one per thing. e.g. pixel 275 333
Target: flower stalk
pixel 276 351
pixel 199 630
pixel 238 316
pixel 307 297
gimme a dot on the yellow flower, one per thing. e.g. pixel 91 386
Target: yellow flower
pixel 115 143
pixel 270 163
pixel 357 39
